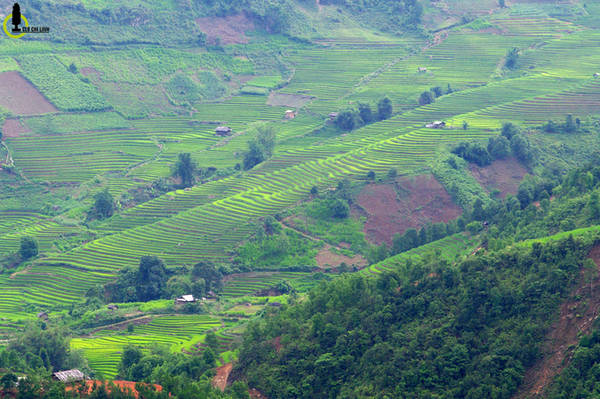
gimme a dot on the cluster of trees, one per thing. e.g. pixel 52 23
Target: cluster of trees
pixel 570 126
pixel 404 13
pixel 28 248
pixel 352 119
pixel 260 148
pixel 152 280
pixel 104 206
pixel 499 147
pixel 432 329
pixel 429 96
pixel 512 56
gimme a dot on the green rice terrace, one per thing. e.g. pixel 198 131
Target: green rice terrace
pixel 112 150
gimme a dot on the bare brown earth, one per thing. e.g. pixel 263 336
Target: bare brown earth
pixel 255 394
pixel 575 318
pixel 14 128
pixel 220 379
pixel 504 175
pixel 21 97
pixel 410 202
pixel 229 30
pixel 327 258
pixel 288 100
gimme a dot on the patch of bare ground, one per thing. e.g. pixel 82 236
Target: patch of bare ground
pixel 21 97
pixel 91 72
pixel 255 394
pixel 14 128
pixel 123 325
pixel 327 258
pixel 576 316
pixel 288 100
pixel 503 175
pixel 229 30
pixel 220 379
pixel 410 202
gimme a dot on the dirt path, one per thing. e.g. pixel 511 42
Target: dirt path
pixel 564 333
pixel 220 380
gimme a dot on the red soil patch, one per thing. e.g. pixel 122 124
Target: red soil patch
pixel 575 318
pixel 277 343
pixel 409 202
pixel 229 30
pixel 326 258
pixel 14 128
pixel 21 97
pixel 220 379
pixel 123 385
pixel 504 175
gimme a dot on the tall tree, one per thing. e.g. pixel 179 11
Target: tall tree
pixel 185 168
pixel 29 248
pixel 365 113
pixel 384 108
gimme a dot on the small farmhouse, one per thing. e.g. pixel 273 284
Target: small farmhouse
pixel 223 131
pixel 185 299
pixel 69 375
pixel 422 69
pixel 42 316
pixel 289 114
pixel 596 74
pixel 333 115
pixel 436 125
pixel 112 307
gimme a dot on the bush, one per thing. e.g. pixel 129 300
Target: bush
pixel 384 108
pixel 29 248
pixel 340 209
pixel 426 98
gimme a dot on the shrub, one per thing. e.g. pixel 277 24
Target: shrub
pixel 29 248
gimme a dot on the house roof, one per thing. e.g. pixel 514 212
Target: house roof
pixel 186 298
pixel 42 314
pixel 69 375
pixel 223 129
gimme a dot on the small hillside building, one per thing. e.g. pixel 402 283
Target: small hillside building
pixel 42 316
pixel 185 299
pixel 597 75
pixel 422 69
pixel 436 125
pixel 223 131
pixel 69 376
pixel 333 115
pixel 290 114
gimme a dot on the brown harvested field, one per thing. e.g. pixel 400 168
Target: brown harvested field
pixel 21 97
pixel 408 202
pixel 327 258
pixel 14 128
pixel 229 30
pixel 288 100
pixel 504 175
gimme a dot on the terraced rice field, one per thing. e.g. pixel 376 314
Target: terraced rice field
pixel 104 351
pixel 557 63
pixel 247 284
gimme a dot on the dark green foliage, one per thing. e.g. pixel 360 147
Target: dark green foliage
pixel 104 205
pixel 521 148
pixel 371 175
pixel 509 130
pixel 465 125
pixel 498 147
pixel 437 91
pixel 210 274
pixel 185 168
pixel 346 120
pixel 502 3
pixel 72 68
pixel 512 56
pixel 340 209
pixel 365 113
pixel 261 148
pixel 314 191
pixel 473 152
pixel 392 173
pixel 426 98
pixel 384 109
pixel 146 283
pixel 570 126
pixel 29 248
pixel 456 331
pixel 48 349
pixel 551 127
